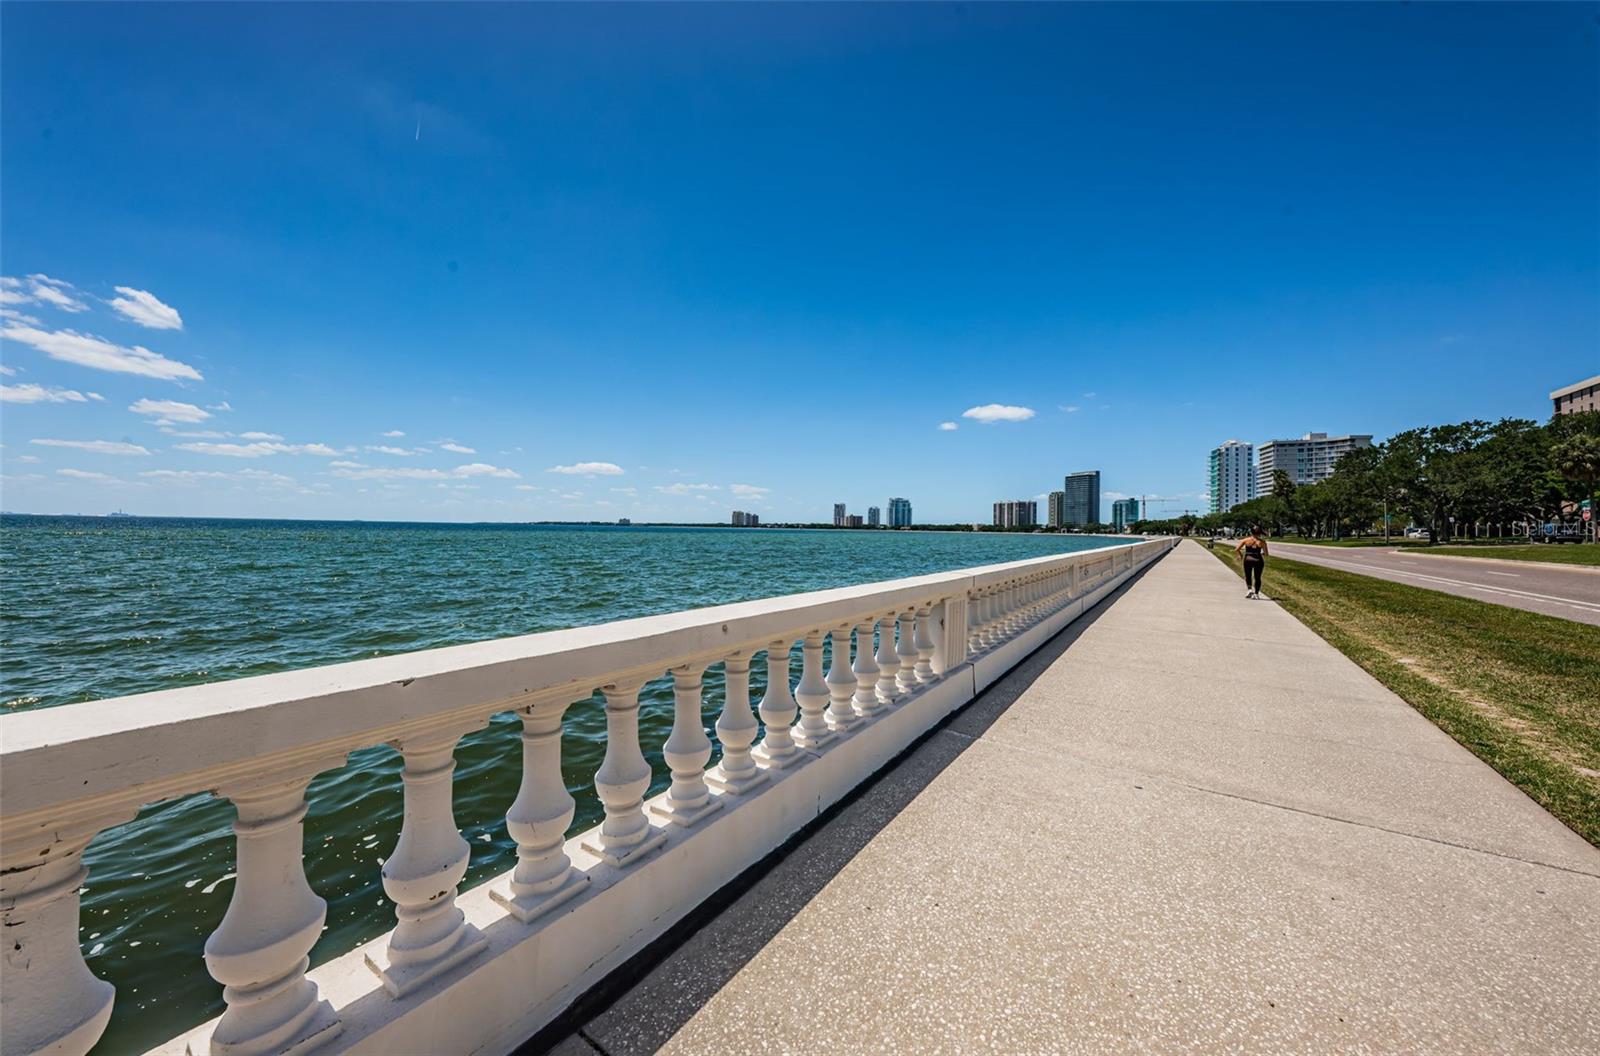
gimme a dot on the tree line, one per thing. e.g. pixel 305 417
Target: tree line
pixel 1472 479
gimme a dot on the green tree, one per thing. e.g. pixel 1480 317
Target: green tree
pixel 1577 458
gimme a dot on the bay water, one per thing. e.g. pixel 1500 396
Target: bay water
pixel 94 608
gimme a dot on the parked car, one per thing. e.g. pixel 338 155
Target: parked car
pixel 1418 533
pixel 1559 533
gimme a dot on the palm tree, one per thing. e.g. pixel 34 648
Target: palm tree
pixel 1577 458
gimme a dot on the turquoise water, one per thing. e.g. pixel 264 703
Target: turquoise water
pixel 97 608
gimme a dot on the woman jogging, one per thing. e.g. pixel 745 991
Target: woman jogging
pixel 1254 549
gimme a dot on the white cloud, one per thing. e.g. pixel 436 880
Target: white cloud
pixel 626 491
pixel 347 464
pixel 471 469
pixel 681 488
pixel 1070 408
pixel 99 447
pixel 170 412
pixel 7 371
pixel 528 487
pixel 83 474
pixel 258 449
pixel 483 469
pixel 948 427
pixel 460 449
pixel 260 436
pixel 42 289
pixel 990 413
pixel 395 434
pixel 146 309
pixel 184 476
pixel 195 434
pixel 86 350
pixel 589 469
pixel 31 393
pixel 748 491
pixel 385 449
pixel 30 459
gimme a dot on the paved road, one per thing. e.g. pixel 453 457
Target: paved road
pixel 1571 593
pixel 1185 825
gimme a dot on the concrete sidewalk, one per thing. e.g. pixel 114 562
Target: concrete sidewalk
pixel 1186 824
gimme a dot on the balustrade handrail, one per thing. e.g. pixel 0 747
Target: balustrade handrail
pixel 174 742
pixel 70 772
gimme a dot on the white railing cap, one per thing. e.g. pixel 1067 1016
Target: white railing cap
pixel 152 746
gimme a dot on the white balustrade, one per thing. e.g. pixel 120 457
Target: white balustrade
pixel 626 835
pixel 544 877
pixel 67 773
pixel 888 663
pixel 812 732
pixel 777 749
pixel 866 672
pixel 688 800
pixel 49 999
pixel 737 771
pixel 429 860
pixel 261 950
pixel 925 646
pixel 841 682
pixel 906 653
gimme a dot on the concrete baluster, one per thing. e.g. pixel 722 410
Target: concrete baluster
pixel 421 876
pixel 888 663
pixel 925 645
pixel 736 728
pixel 261 950
pixel 538 819
pixel 688 800
pixel 866 672
pixel 626 835
pixel 975 640
pixel 812 732
pixel 842 683
pixel 49 999
pixel 777 749
pixel 906 651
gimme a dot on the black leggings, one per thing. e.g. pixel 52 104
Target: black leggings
pixel 1252 575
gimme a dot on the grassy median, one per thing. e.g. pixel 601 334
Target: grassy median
pixel 1520 690
pixel 1549 553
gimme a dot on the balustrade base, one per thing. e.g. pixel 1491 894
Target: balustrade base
pixel 402 979
pixel 816 742
pixel 622 857
pixel 780 762
pixel 686 817
pixel 738 784
pixel 528 908
pixel 321 1027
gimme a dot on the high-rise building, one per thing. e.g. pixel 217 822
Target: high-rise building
pixel 852 520
pixel 874 516
pixel 1021 513
pixel 838 515
pixel 899 513
pixel 1123 513
pixel 1233 475
pixel 752 520
pixel 1082 504
pixel 1578 397
pixel 740 519
pixel 1056 509
pixel 1307 460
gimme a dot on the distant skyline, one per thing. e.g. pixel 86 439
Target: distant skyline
pixel 558 262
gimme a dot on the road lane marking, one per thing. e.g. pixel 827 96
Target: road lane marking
pixel 1582 606
pixel 1513 575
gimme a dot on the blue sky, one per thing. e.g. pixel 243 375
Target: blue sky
pixel 709 257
